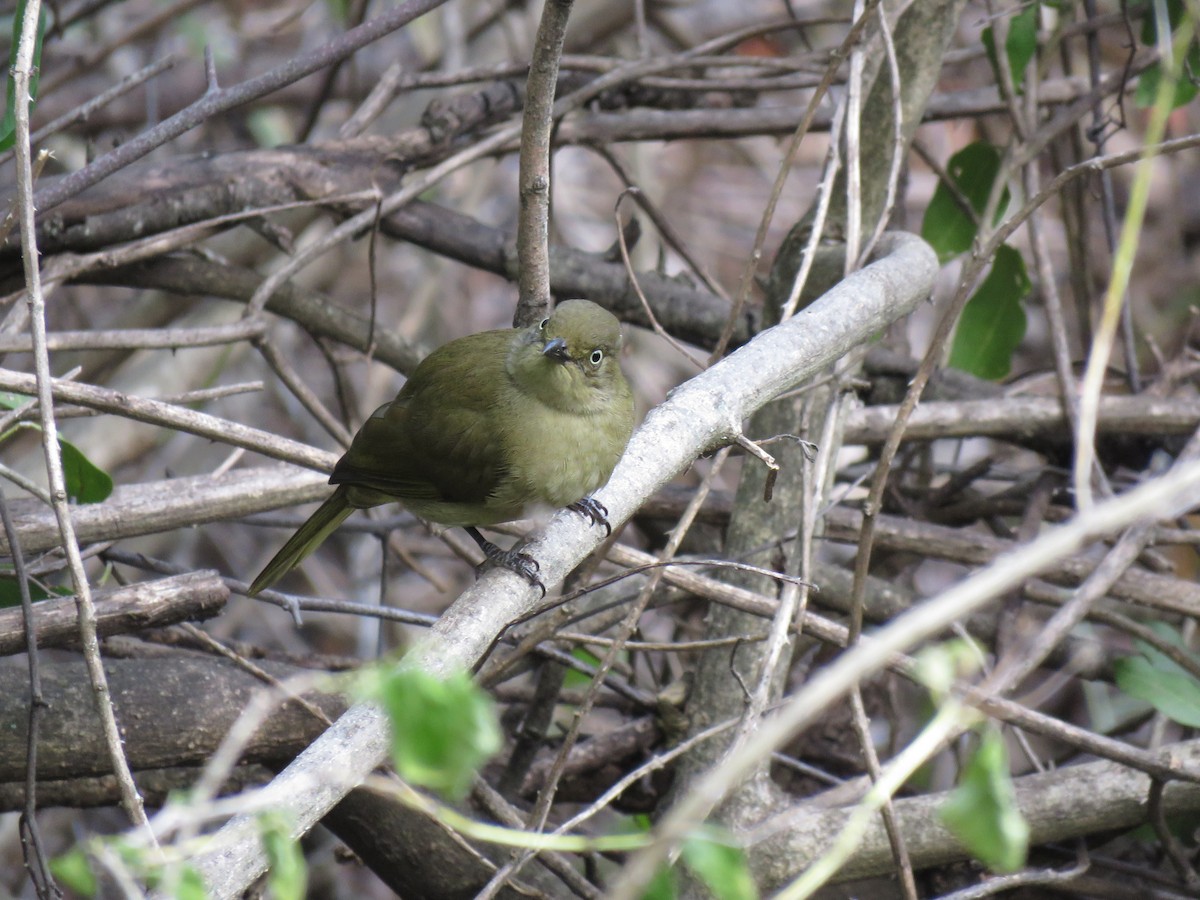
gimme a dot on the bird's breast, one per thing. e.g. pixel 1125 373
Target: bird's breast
pixel 561 459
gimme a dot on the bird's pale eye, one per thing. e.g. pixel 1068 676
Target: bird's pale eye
pixel 597 357
pixel 542 324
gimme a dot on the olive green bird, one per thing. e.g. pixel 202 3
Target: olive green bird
pixel 490 427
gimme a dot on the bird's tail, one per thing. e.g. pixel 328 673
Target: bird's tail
pixel 308 537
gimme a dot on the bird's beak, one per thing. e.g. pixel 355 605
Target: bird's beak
pixel 556 350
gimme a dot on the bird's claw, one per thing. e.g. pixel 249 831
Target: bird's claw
pixel 515 561
pixel 596 512
pixel 525 566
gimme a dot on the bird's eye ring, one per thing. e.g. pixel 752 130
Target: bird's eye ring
pixel 542 324
pixel 597 357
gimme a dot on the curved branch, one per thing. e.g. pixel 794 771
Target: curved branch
pixel 699 416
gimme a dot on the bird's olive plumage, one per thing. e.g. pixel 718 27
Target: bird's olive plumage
pixel 489 428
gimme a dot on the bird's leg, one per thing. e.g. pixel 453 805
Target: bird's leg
pixel 596 511
pixel 513 560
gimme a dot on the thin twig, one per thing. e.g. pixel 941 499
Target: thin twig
pixel 1180 490
pixel 32 846
pixel 155 412
pixel 215 102
pixel 633 280
pixel 624 632
pixel 140 338
pixel 672 237
pixel 534 176
pixel 22 69
pixel 897 164
pixel 785 167
pixel 301 391
pixel 84 111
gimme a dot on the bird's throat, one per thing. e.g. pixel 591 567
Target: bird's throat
pixel 558 385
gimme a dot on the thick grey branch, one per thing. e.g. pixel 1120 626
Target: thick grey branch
pixel 160 727
pixel 149 604
pixel 1022 418
pixel 155 412
pixel 698 417
pixel 156 506
pixel 1058 805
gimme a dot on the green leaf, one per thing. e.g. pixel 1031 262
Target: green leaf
pixel 10 590
pixel 443 729
pixel 982 811
pixel 720 865
pixel 1150 21
pixel 939 665
pixel 1148 81
pixel 1109 708
pixel 288 875
pixel 1019 45
pixel 1174 694
pixel 339 10
pixel 189 885
pixel 1185 88
pixel 663 886
pixel 993 321
pixel 8 125
pixel 1157 657
pixel 947 227
pixel 85 482
pixel 270 126
pixel 73 871
pixel 573 678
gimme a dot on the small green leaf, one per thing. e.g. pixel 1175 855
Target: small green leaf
pixel 288 875
pixel 573 678
pixel 73 871
pixel 1150 21
pixel 720 865
pixel 85 482
pixel 1185 87
pixel 982 811
pixel 1148 81
pixel 938 665
pixel 10 590
pixel 9 400
pixel 270 126
pixel 663 886
pixel 189 885
pixel 443 729
pixel 8 125
pixel 1157 657
pixel 947 227
pixel 339 10
pixel 1174 694
pixel 993 321
pixel 1019 45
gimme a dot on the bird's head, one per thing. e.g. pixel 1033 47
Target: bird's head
pixel 570 359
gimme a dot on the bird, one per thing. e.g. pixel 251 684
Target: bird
pixel 490 427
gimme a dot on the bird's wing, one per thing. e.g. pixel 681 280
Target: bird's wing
pixel 439 440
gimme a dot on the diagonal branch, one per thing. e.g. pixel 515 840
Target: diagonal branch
pixel 701 415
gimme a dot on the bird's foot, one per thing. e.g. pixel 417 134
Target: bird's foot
pixel 513 560
pixel 596 511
